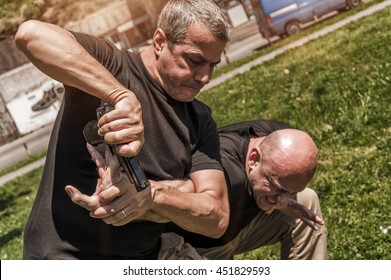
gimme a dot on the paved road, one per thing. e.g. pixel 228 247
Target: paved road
pixel 35 142
pixel 241 48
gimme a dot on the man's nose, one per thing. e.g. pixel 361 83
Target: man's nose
pixel 203 74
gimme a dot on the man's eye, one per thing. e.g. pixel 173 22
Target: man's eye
pixel 194 61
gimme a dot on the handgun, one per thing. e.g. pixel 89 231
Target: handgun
pixel 130 165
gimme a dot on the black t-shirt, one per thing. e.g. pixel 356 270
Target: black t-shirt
pixel 179 138
pixel 234 142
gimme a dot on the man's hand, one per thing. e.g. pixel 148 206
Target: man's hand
pixel 123 125
pixel 298 211
pixel 111 183
pixel 130 206
pixel 115 195
pixel 139 205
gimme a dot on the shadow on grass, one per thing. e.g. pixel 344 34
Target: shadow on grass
pixel 15 233
pixel 7 200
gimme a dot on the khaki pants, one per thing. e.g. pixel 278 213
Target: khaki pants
pixel 298 241
pixel 173 247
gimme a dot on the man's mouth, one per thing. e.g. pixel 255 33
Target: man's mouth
pixel 194 88
pixel 270 200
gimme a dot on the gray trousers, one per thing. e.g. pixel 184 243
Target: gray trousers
pixel 298 241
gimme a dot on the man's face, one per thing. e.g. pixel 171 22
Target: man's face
pixel 272 187
pixel 186 68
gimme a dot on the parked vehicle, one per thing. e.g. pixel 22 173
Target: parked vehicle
pixel 286 17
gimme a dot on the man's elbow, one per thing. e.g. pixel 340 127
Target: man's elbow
pixel 26 33
pixel 221 226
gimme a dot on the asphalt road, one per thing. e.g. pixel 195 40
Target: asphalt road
pixel 38 140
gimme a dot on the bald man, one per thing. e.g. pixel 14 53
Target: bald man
pixel 267 166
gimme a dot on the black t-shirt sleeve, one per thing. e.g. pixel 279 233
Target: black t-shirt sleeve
pixel 104 51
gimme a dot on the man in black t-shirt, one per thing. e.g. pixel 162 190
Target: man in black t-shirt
pixel 155 116
pixel 267 165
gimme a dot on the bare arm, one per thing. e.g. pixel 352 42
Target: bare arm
pixel 206 211
pixel 55 52
pixel 199 205
pixel 185 186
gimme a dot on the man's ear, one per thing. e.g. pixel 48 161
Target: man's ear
pixel 254 157
pixel 159 40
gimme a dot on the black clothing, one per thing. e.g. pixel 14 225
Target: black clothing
pixel 234 142
pixel 179 138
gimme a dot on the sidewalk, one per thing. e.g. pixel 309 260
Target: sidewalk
pixel 25 169
pixel 239 70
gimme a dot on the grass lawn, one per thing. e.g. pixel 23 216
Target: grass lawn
pixel 338 89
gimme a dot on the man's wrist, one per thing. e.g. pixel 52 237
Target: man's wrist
pixel 119 94
pixel 157 193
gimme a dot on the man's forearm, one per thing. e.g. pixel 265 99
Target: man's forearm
pixel 185 186
pixel 56 53
pixel 203 212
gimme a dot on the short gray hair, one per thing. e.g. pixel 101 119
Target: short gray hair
pixel 178 15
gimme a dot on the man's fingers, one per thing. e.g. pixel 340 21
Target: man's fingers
pixel 313 217
pixel 311 225
pixel 123 127
pixel 109 194
pixel 89 203
pixel 125 113
pixel 96 156
pixel 113 164
pixel 318 220
pixel 122 217
pixel 130 149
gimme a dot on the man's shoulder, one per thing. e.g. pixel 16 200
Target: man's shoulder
pixel 98 46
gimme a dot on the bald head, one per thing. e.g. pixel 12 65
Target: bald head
pixel 292 153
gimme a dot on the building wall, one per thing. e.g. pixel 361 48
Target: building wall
pixel 10 56
pixel 127 23
pixel 8 130
pixel 144 14
pixel 154 8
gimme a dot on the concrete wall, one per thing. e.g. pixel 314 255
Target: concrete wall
pixel 10 56
pixel 21 80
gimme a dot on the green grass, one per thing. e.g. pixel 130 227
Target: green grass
pixel 16 200
pixel 22 163
pixel 337 88
pixel 287 40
